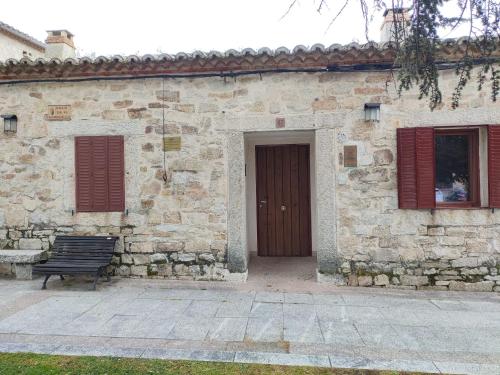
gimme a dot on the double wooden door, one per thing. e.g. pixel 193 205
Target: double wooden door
pixel 283 200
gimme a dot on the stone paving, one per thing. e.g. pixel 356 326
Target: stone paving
pixel 450 332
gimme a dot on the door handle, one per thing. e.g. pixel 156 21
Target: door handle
pixel 263 202
pixel 283 208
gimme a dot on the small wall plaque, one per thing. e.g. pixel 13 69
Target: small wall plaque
pixel 172 143
pixel 350 156
pixel 280 122
pixel 58 113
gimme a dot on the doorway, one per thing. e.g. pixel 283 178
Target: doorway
pixel 283 201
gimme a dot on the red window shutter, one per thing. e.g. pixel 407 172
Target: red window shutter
pixel 407 173
pixel 494 166
pixel 116 174
pixel 426 168
pixel 100 170
pixel 416 168
pixel 83 163
pixel 99 163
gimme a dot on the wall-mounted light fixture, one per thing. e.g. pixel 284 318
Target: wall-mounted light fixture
pixel 372 112
pixel 9 123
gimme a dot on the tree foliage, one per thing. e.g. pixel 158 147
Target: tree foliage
pixel 417 42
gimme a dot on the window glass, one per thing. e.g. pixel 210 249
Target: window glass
pixel 452 168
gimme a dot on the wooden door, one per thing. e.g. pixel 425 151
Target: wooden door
pixel 283 200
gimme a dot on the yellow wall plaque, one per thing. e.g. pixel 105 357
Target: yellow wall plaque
pixel 58 113
pixel 172 143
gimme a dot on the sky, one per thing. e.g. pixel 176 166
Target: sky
pixel 109 27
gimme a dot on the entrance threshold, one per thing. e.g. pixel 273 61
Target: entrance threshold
pixel 283 273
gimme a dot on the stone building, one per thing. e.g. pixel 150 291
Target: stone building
pixel 197 160
pixel 17 45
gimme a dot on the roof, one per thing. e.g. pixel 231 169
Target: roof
pixel 248 61
pixel 69 34
pixel 22 37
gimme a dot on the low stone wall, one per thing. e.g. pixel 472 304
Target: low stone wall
pixel 454 260
pixel 135 256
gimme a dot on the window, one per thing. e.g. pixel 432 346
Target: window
pixel 449 168
pixel 99 164
pixel 457 168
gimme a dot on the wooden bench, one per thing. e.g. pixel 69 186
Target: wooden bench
pixel 78 255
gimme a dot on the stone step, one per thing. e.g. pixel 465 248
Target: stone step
pixel 19 262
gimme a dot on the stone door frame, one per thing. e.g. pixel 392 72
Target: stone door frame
pixel 325 213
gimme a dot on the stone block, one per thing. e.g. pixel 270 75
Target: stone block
pixel 492 278
pixel 139 270
pixel 465 262
pixel 414 280
pixel 206 257
pixel 127 259
pixel 141 247
pixel 181 269
pixel 451 241
pixel 165 269
pixel 30 243
pixel 477 245
pixel 169 246
pixel 487 260
pixel 158 258
pixel 186 257
pixel 442 283
pixel 122 271
pixel 435 231
pixel 23 271
pixel 384 254
pixel 483 286
pixel 381 280
pixel 430 271
pixel 140 259
pixel 352 280
pixel 168 96
pixel 152 270
pixel 365 280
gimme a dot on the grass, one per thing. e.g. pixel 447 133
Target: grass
pixel 41 364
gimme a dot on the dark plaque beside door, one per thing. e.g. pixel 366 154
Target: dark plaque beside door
pixel 350 156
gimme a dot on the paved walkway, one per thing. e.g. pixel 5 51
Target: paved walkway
pixel 342 327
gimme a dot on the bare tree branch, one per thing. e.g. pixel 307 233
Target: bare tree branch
pixel 338 14
pixel 292 4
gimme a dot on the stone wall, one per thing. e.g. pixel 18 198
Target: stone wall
pixel 179 228
pixel 382 245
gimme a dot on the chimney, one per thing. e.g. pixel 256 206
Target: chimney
pixel 59 44
pixel 387 30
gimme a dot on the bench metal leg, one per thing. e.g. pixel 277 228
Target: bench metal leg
pixel 94 286
pixel 44 286
pixel 61 277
